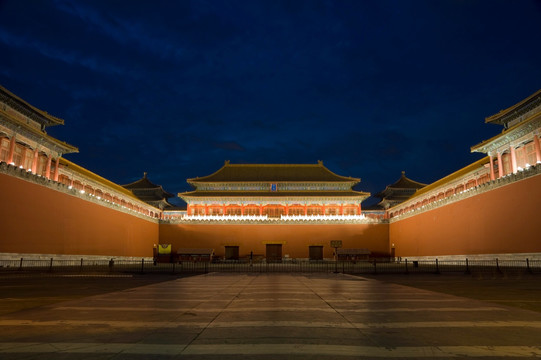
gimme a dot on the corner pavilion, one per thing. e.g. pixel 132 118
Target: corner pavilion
pixel 273 191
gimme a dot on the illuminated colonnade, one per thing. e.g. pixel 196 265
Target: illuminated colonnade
pixel 25 145
pixel 516 152
pixel 518 146
pixel 274 191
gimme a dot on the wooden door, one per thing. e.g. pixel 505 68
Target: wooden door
pixel 231 252
pixel 315 252
pixel 274 253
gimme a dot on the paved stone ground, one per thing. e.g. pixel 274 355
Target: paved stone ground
pixel 269 316
pixel 520 290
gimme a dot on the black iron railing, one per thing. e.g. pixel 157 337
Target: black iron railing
pixel 144 266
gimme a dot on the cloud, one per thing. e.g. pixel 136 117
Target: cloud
pixel 70 57
pixel 123 31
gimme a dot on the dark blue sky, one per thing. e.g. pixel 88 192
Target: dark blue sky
pixel 174 88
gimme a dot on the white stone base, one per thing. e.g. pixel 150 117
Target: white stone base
pixel 18 256
pixel 517 256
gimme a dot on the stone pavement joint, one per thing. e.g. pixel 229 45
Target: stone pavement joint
pixel 271 315
pixel 272 349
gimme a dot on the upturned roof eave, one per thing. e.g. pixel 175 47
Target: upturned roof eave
pixel 494 118
pixel 67 148
pixel 89 174
pixel 483 144
pixel 210 178
pixel 52 120
pixel 461 172
pixel 408 180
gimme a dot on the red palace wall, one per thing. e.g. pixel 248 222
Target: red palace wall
pixel 295 239
pixel 36 219
pixel 504 220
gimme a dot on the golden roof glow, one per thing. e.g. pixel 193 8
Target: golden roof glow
pixel 273 173
pixel 457 174
pixel 476 147
pixel 51 118
pixel 501 113
pixel 67 147
pixel 90 175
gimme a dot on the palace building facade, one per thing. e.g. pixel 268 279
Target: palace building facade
pixel 273 191
pixel 53 207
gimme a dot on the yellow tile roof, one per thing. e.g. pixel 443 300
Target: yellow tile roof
pixel 495 117
pixel 67 147
pixel 273 173
pixel 90 175
pixel 53 119
pixel 457 174
pixel 505 131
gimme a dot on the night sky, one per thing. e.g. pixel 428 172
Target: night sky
pixel 174 88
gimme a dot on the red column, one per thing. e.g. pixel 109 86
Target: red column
pixel 11 149
pixel 305 210
pixel 341 209
pixel 322 209
pixel 206 209
pixel 500 165
pixel 48 167
pixel 287 210
pixel 492 176
pixel 537 147
pixel 513 160
pixel 242 209
pixel 224 209
pixel 359 209
pixel 56 167
pixel 35 161
pixel 188 209
pixel 260 209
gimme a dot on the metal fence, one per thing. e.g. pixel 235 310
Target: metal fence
pixel 83 267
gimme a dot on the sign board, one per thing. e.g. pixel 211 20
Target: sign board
pixel 336 243
pixel 164 249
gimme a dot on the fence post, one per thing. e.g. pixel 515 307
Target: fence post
pixel 21 264
pixel 173 267
pixel 51 266
pixel 343 266
pixel 498 266
pixel 142 265
pixel 406 266
pixel 467 267
pixel 375 270
pixel 437 267
pixel 528 265
pixel 206 267
pixel 81 268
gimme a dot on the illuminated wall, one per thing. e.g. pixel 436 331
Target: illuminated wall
pixel 36 219
pixel 295 239
pixel 503 220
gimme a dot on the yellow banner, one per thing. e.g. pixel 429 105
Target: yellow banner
pixel 164 249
